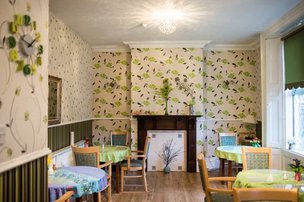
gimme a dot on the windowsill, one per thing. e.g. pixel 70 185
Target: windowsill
pixel 293 154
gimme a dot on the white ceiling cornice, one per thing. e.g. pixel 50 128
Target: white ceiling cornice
pixel 110 48
pixel 224 47
pixel 166 44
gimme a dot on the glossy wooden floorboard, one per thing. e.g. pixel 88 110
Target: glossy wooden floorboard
pixel 172 187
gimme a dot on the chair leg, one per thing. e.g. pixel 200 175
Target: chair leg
pixel 121 180
pixel 109 192
pixel 145 180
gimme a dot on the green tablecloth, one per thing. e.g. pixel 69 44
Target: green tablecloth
pixel 114 153
pixel 231 153
pixel 268 178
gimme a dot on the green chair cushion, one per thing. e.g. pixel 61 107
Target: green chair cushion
pixel 86 159
pixel 134 163
pixel 119 140
pixel 221 197
pixel 257 161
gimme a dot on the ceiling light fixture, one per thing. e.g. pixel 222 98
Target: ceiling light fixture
pixel 167 18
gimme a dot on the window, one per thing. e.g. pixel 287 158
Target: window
pixel 295 119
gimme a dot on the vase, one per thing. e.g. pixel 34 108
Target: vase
pixel 298 176
pixel 166 107
pixel 167 169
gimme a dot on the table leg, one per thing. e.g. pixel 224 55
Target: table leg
pixel 222 167
pixel 117 178
pixel 229 168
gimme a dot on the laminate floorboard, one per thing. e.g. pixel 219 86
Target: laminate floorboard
pixel 172 187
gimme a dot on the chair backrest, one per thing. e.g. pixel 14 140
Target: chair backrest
pixel 88 156
pixel 119 138
pixel 265 194
pixel 147 146
pixel 256 158
pixel 203 171
pixel 228 139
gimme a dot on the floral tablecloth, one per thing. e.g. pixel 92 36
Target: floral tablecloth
pixel 80 179
pixel 114 153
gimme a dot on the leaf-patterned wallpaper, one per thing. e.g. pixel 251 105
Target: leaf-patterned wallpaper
pixel 206 73
pixel 70 58
pixel 23 80
pixel 111 93
pixel 149 68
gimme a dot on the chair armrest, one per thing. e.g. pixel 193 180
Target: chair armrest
pixel 222 179
pixel 65 196
pixel 135 156
pixel 109 165
pixel 227 191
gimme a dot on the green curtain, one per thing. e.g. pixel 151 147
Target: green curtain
pixel 294 59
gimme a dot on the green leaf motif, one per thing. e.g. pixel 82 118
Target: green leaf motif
pixel 45 119
pixel 109 64
pixel 200 142
pixel 174 72
pixel 124 62
pixel 198 58
pixel 248 99
pixel 97 91
pixel 18 91
pixel 97 116
pixel 209 88
pixel 109 115
pixel 253 88
pixel 231 101
pixel 169 61
pixel 176 100
pixel 102 128
pixel 210 114
pixel 103 101
pixel 124 114
pixel 210 142
pixel 219 102
pixel 152 86
pixel 146 75
pixel 240 64
pixel 146 49
pixel 232 129
pixel 219 76
pixel 109 90
pixel 198 86
pixel 253 62
pixel 181 61
pixel 117 104
pixel 136 88
pixel 118 78
pixel 209 62
pixel 220 130
pixel 247 74
pixel 159 74
pixel 241 115
pixel 135 61
pixel 124 88
pixel 26 116
pixel 191 74
pixel 231 75
pixel 224 61
pixel 204 100
pixel 203 74
pixel 225 112
pixel 9 152
pixel 152 59
pixel 97 65
pixel 159 102
pixel 103 76
pixel 241 89
pixel 146 103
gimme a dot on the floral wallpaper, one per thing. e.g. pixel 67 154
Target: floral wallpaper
pixel 180 65
pixel 70 58
pixel 111 93
pixel 225 87
pixel 23 78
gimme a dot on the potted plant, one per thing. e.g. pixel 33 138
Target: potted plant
pixel 164 92
pixel 255 142
pixel 297 167
pixel 169 154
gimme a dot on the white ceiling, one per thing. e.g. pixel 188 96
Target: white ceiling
pixel 110 22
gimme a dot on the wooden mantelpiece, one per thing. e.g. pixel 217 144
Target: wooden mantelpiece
pixel 170 122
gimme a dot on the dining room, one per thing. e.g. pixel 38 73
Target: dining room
pixel 67 84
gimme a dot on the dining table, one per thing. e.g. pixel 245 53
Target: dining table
pixel 269 178
pixel 82 180
pixel 116 154
pixel 230 154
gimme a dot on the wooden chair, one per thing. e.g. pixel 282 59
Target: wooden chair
pixel 89 156
pixel 256 158
pixel 65 197
pixel 265 194
pixel 212 193
pixel 119 138
pixel 228 139
pixel 136 163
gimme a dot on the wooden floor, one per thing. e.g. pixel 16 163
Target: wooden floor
pixel 172 187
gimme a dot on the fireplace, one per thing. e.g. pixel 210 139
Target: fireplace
pixel 170 122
